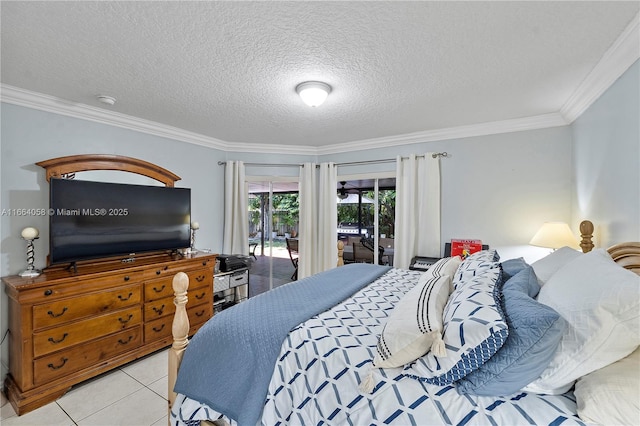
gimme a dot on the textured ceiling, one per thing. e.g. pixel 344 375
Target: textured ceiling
pixel 228 70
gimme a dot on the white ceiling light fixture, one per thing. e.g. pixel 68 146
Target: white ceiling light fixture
pixel 313 93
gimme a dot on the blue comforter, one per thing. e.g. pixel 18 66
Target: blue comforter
pixel 229 362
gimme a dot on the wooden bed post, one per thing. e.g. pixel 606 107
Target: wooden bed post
pixel 340 253
pixel 180 331
pixel 586 233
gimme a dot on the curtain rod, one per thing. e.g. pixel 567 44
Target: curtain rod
pixel 348 163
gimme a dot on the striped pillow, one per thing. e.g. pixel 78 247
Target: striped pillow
pixel 474 330
pixel 444 266
pixel 415 325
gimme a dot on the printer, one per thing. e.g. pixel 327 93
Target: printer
pixel 231 262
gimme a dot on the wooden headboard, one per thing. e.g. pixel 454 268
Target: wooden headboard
pixel 627 255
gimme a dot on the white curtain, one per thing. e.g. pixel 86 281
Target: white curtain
pixel 417 222
pixel 318 219
pixel 308 219
pixel 327 255
pixel 236 221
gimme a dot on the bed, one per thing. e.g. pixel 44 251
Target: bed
pixel 473 341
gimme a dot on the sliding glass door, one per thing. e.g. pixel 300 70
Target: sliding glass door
pixel 366 219
pixel 273 228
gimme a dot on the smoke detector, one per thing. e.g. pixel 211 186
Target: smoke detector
pixel 109 100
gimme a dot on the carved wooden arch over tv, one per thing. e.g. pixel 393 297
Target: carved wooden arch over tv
pixel 62 167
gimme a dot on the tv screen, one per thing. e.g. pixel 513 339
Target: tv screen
pixel 89 220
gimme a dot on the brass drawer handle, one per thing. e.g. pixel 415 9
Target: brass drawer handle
pixel 52 315
pixel 199 314
pixel 157 330
pixel 126 278
pixel 125 342
pixel 55 342
pixel 48 292
pixel 56 367
pixel 161 288
pixel 201 296
pixel 200 278
pixel 158 272
pixel 124 299
pixel 158 310
pixel 124 321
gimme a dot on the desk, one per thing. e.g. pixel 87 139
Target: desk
pixel 347 253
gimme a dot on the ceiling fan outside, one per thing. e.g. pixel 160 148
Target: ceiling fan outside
pixel 342 193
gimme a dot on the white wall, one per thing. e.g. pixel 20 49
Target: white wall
pixel 606 160
pixel 498 188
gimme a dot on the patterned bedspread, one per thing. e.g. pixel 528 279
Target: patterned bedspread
pixel 324 359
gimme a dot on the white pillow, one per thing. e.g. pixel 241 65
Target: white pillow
pixel 415 324
pixel 600 301
pixel 549 265
pixel 444 266
pixel 611 395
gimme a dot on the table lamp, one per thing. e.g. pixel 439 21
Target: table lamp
pixel 554 235
pixel 29 234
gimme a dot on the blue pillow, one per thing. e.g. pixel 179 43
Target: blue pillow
pixel 512 266
pixel 535 331
pixel 526 281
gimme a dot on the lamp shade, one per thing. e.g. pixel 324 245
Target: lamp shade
pixel 30 233
pixel 313 93
pixel 555 235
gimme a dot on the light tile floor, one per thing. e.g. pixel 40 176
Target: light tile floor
pixel 133 395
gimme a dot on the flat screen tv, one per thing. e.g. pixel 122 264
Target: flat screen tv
pixel 89 220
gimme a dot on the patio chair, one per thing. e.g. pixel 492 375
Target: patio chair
pixel 361 253
pixel 368 244
pixel 292 248
pixel 252 249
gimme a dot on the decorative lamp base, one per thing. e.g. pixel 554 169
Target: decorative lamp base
pixel 30 273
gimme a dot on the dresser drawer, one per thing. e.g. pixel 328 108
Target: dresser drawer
pixel 200 295
pixel 199 314
pixel 158 329
pixel 159 308
pixel 169 270
pixel 161 288
pixel 62 311
pixel 72 288
pixel 60 364
pixel 62 337
pixel 158 289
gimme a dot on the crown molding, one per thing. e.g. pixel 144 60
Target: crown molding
pixel 623 53
pixel 21 97
pixel 39 101
pixel 492 128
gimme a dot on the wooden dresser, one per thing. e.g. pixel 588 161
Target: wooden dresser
pixel 66 327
